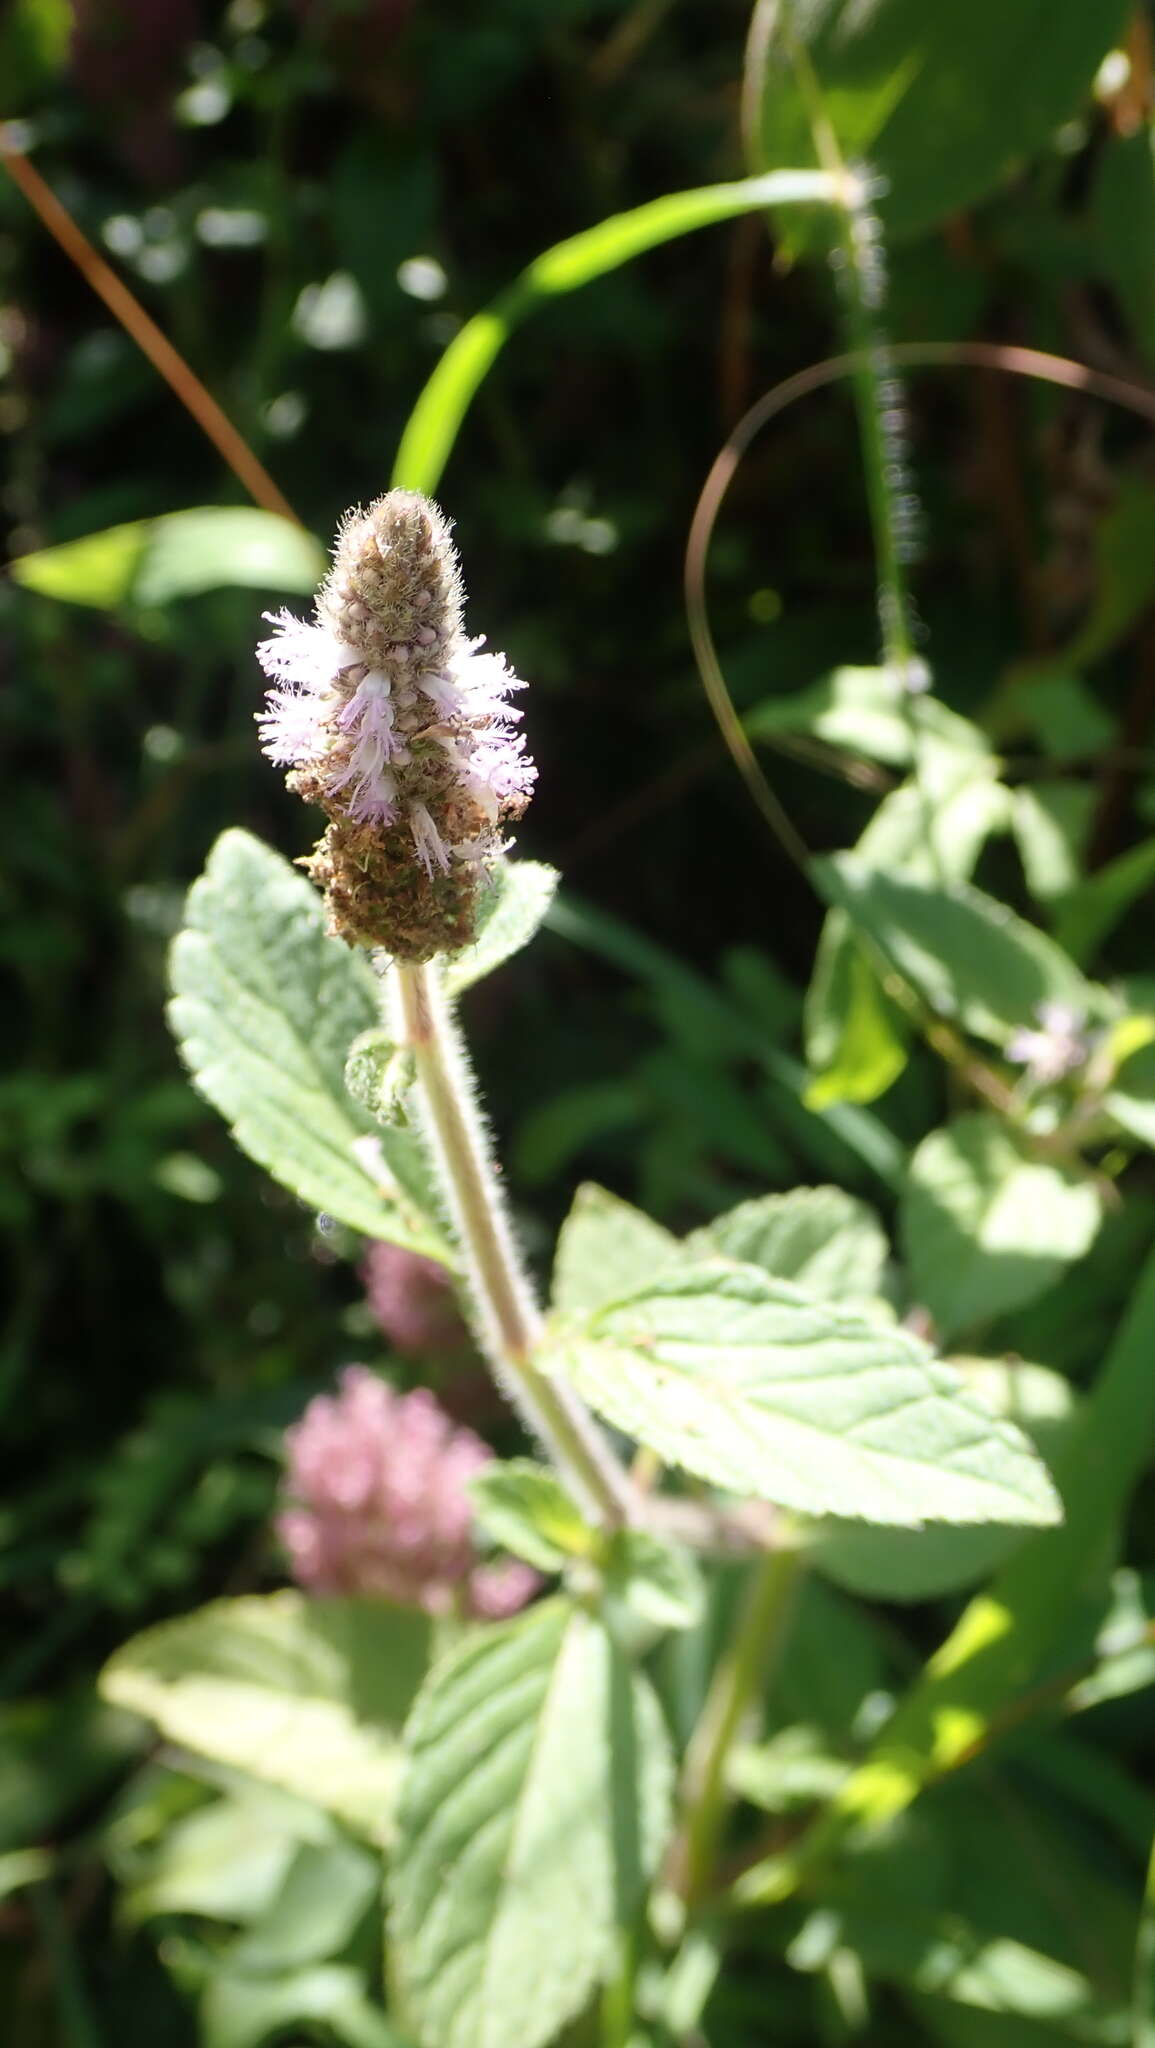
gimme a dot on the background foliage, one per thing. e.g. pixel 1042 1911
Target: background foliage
pixel 310 198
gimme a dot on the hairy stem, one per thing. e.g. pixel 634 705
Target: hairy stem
pixel 508 1321
pixel 759 1635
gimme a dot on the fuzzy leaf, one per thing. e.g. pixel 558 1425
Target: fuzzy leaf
pixel 535 1803
pixel 923 1564
pixel 986 1226
pixel 265 1008
pixel 606 1250
pixel 305 1694
pixel 519 894
pixel 747 1382
pixel 826 1242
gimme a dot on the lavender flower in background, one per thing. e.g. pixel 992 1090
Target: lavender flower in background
pixel 398 726
pixel 377 1503
pixel 412 1300
pixel 1056 1049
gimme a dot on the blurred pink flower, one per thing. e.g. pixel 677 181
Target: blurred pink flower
pixel 377 1503
pixel 412 1299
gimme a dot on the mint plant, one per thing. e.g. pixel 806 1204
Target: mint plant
pixel 605 1737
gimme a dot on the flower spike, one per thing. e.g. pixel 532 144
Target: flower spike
pixel 398 726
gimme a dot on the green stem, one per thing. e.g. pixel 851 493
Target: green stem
pixel 758 1637
pixel 78 2026
pixel 509 1324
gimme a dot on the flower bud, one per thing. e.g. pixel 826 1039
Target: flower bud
pixel 377 1503
pixel 395 723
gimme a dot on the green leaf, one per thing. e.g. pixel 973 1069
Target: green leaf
pixel 1051 821
pixel 968 956
pixel 265 1008
pixel 856 1037
pixel 656 1583
pixel 433 425
pixel 747 1382
pixel 942 102
pixel 535 1803
pixel 923 1564
pixel 1123 227
pixel 829 1244
pixel 606 1250
pixel 525 1509
pixel 518 896
pixel 306 1694
pixel 151 561
pixel 379 1076
pixel 1124 580
pixel 867 711
pixel 326 1892
pixel 986 1226
pixel 1092 910
pixel 244 2012
pixel 1132 1100
pixel 227 1860
pixel 855 1034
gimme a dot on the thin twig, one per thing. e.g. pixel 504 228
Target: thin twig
pixel 213 422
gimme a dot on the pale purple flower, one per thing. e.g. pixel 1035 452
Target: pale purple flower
pixel 400 728
pixel 377 1503
pixel 412 1299
pixel 1057 1048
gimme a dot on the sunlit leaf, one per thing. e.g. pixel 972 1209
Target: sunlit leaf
pixel 150 561
pixel 265 1008
pixel 745 1381
pixel 987 1225
pixel 535 1803
pixel 307 1694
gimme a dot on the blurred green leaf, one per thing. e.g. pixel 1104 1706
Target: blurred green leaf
pixel 227 1860
pixel 1050 821
pixel 747 1382
pixel 856 1036
pixel 1125 579
pixel 1123 223
pixel 987 1225
pixel 265 1007
pixel 244 2012
pixel 930 831
pixel 308 1694
pixel 968 956
pixel 526 1510
pixel 866 711
pixel 509 1885
pixel 943 103
pixel 57 1755
pixel 327 1890
pixel 1099 902
pixel 151 561
pixel 1131 1101
pixel 655 1582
